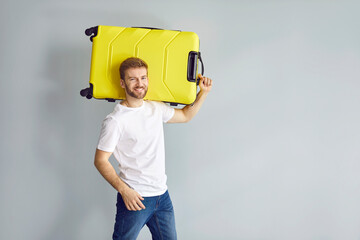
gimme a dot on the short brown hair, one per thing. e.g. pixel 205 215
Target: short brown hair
pixel 132 62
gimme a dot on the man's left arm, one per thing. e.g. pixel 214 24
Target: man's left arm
pixel 188 112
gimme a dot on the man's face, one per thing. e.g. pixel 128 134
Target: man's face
pixel 136 82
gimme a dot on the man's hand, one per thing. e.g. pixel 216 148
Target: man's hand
pixel 205 84
pixel 132 200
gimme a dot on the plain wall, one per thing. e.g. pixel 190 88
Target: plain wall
pixel 274 153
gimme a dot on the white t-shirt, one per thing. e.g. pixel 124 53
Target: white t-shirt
pixel 136 138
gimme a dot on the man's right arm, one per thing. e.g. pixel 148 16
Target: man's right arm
pixel 131 198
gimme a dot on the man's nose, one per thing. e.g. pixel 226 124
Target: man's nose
pixel 138 82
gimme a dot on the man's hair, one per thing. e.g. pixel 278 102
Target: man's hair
pixel 131 62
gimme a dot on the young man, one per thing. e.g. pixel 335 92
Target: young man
pixel 133 132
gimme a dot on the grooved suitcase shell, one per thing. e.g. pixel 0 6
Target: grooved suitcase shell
pixel 165 51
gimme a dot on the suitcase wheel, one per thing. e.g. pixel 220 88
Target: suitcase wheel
pixel 87 92
pixel 91 32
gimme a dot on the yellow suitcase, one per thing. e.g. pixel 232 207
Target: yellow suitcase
pixel 172 58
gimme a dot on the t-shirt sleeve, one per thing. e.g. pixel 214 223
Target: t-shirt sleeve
pixel 167 112
pixel 109 135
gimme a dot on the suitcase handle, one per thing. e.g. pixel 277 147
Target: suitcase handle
pixel 151 28
pixel 192 67
pixel 202 69
pixel 154 28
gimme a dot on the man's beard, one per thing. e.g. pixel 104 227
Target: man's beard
pixel 135 94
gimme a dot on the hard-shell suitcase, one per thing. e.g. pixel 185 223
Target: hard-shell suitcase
pixel 172 58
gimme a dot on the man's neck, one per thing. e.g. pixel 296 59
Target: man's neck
pixel 132 102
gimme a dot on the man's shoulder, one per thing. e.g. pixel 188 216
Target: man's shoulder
pixel 152 102
pixel 115 114
pixel 155 103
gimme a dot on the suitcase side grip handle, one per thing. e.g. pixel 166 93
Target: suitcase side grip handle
pixel 192 66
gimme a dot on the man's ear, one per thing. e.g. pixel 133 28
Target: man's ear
pixel 122 83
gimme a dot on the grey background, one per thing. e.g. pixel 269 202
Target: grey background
pixel 273 154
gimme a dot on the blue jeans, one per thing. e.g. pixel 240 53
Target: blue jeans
pixel 158 215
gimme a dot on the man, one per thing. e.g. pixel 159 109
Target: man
pixel 133 132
